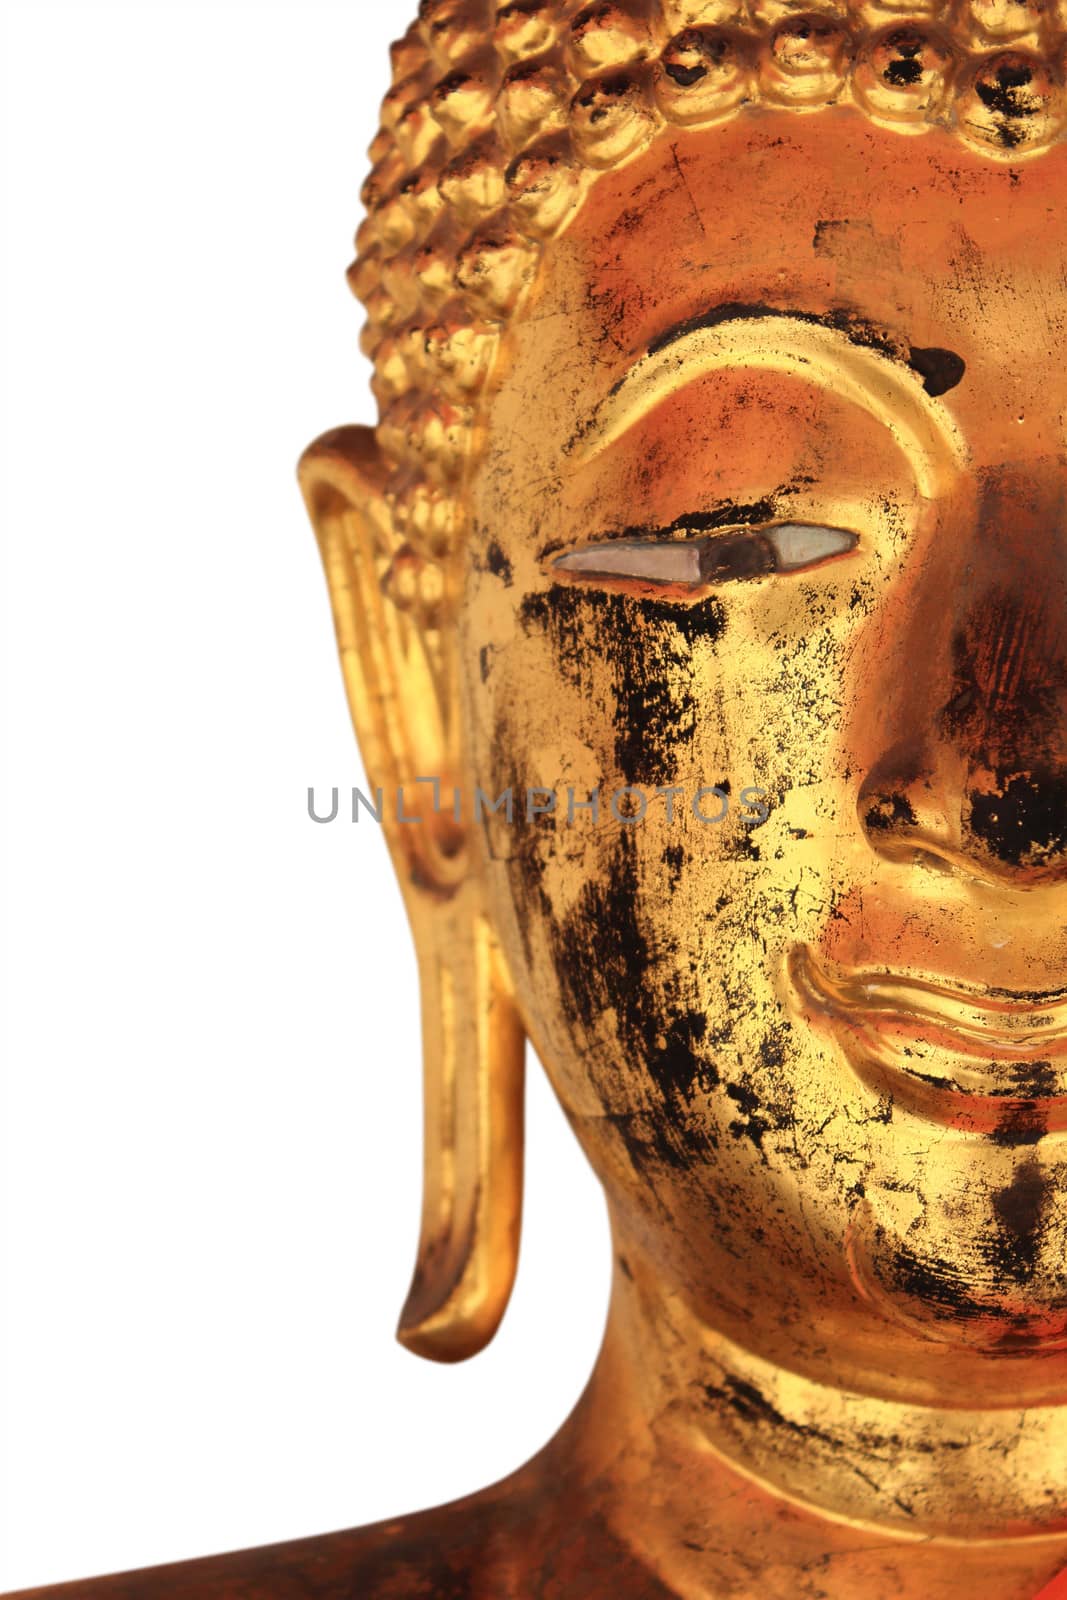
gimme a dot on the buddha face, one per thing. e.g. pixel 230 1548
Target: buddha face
pixel 774 496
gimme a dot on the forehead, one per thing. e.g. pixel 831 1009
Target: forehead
pixel 820 213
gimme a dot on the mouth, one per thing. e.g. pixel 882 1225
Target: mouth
pixel 991 1061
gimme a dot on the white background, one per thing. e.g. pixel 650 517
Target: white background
pixel 211 1130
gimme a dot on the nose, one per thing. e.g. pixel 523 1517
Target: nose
pixel 972 775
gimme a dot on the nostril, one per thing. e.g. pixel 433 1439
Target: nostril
pixel 1023 821
pixel 887 812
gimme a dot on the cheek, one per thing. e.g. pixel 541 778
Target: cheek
pixel 648 955
pixel 650 958
pixel 592 695
pixel 569 686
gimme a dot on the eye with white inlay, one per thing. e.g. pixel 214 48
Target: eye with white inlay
pixel 700 563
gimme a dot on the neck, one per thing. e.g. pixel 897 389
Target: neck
pixel 718 1467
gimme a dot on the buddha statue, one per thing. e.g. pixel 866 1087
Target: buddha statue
pixel 702 603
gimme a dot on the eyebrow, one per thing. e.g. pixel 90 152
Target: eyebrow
pixel 896 383
pixel 939 369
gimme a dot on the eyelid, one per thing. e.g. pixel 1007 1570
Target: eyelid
pixel 783 548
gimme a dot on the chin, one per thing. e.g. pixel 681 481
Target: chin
pixel 964 1299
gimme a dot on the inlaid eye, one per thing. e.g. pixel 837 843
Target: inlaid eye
pixel 800 545
pixel 690 564
pixel 654 560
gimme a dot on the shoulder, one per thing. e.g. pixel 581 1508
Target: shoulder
pixel 461 1551
pixel 516 1541
pixel 429 1556
pixel 524 1539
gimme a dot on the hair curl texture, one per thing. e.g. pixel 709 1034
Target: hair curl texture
pixel 501 115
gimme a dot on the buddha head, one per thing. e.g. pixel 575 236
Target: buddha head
pixel 702 602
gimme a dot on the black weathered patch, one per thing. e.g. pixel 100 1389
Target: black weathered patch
pixel 752 1124
pixel 648 645
pixel 1020 1211
pixel 679 1065
pixel 940 1284
pixel 603 958
pixel 1025 822
pixel 888 812
pixel 497 562
pixel 940 370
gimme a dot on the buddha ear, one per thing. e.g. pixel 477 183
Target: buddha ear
pixel 400 688
pixel 399 674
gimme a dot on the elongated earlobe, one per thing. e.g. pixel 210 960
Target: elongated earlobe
pixel 473 1048
pixel 401 693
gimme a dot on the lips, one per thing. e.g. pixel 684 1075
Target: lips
pixel 991 1061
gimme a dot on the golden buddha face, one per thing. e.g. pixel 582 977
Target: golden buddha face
pixel 773 495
